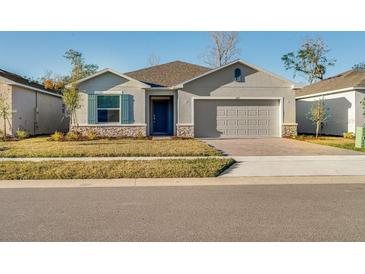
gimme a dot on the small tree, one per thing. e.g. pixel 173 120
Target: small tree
pixel 80 69
pixel 71 99
pixel 311 60
pixel 224 49
pixel 318 114
pixel 5 112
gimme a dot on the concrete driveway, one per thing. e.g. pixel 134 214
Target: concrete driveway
pixel 274 147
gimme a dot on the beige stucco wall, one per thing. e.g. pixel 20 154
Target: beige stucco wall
pixel 109 83
pixel 50 115
pixel 46 119
pixel 5 90
pixel 221 84
pixel 23 104
pixel 341 109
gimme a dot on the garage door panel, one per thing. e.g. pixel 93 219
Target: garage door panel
pixel 241 122
pixel 263 113
pixel 231 112
pixel 236 118
pixel 221 123
pixel 242 113
pixel 252 122
pixel 242 132
pixel 263 123
pixel 231 122
pixel 221 112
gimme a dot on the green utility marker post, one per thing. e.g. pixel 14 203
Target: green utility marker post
pixel 360 137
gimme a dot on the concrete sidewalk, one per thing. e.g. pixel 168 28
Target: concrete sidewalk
pixel 336 165
pixel 258 166
pixel 157 182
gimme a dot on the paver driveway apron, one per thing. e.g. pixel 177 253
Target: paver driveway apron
pixel 286 157
pixel 274 147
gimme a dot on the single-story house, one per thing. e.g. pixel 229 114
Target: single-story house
pixel 33 108
pixel 237 100
pixel 342 95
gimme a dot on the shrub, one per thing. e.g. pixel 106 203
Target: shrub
pixel 348 135
pixel 21 134
pixel 72 136
pixel 91 135
pixel 57 136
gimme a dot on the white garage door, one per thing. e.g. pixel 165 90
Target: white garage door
pixel 236 118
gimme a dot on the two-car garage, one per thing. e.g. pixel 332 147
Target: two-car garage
pixel 236 118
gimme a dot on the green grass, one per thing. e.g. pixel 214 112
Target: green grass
pixel 340 142
pixel 41 147
pixel 10 170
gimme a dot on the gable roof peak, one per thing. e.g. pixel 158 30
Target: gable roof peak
pixel 168 74
pixel 232 63
pixel 100 72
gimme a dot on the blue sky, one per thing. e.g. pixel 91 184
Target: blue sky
pixel 33 53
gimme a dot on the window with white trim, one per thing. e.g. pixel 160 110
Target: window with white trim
pixel 108 108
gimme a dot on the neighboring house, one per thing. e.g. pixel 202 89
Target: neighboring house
pixel 342 95
pixel 237 100
pixel 33 108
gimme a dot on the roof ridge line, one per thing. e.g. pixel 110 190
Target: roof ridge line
pixel 175 61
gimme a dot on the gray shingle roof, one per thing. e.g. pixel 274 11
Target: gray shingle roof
pixel 21 80
pixel 351 78
pixel 169 74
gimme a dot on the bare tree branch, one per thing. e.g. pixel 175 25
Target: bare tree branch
pixel 153 60
pixel 223 50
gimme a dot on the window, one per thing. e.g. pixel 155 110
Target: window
pixel 238 75
pixel 108 109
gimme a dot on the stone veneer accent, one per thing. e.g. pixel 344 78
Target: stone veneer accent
pixel 186 131
pixel 113 131
pixel 289 130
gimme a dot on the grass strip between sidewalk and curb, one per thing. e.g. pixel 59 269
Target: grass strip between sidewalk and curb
pixel 42 147
pixel 333 141
pixel 10 170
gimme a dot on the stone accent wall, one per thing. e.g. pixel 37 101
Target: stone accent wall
pixel 186 131
pixel 289 130
pixel 113 131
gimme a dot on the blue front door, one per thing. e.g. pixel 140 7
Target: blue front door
pixel 161 116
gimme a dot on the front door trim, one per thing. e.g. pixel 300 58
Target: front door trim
pixel 170 120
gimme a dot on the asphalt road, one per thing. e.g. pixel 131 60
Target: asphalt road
pixel 188 213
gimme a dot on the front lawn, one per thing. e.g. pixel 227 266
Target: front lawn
pixel 41 147
pixel 340 142
pixel 10 170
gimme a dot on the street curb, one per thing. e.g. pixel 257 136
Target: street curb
pixel 159 182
